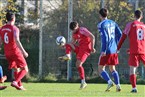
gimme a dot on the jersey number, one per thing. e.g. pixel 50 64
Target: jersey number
pixel 6 38
pixel 140 34
pixel 111 32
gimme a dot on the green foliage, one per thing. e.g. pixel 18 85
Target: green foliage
pixel 119 11
pixel 11 6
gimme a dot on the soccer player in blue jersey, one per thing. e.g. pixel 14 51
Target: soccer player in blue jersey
pixel 2 78
pixel 110 36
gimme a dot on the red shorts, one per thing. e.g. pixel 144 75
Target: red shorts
pixel 16 61
pixel 82 55
pixel 109 59
pixel 134 59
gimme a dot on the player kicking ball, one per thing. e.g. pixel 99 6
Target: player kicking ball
pixel 85 41
pixel 69 47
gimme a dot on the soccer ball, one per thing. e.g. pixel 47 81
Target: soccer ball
pixel 60 40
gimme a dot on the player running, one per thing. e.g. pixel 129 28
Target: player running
pixel 14 51
pixel 110 35
pixel 135 31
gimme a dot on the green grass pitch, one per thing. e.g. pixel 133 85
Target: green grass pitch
pixel 70 90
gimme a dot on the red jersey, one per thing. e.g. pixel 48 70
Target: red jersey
pixel 7 33
pixel 136 33
pixel 82 36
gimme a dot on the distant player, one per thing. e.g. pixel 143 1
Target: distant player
pixel 14 51
pixel 110 35
pixel 135 31
pixel 86 41
pixel 2 79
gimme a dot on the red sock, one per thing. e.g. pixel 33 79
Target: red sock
pixel 133 80
pixel 20 83
pixel 81 72
pixel 15 77
pixel 21 74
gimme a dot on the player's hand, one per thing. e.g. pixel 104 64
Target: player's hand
pixel 103 54
pixel 128 51
pixel 117 51
pixel 25 54
pixel 93 50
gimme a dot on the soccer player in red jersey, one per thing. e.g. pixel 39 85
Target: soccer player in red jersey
pixel 86 41
pixel 14 51
pixel 135 31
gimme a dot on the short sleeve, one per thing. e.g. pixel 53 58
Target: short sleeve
pixel 84 31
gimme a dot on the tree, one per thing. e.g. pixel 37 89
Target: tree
pixel 10 6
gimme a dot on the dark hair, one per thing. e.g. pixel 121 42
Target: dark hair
pixel 103 12
pixel 138 14
pixel 72 25
pixel 10 16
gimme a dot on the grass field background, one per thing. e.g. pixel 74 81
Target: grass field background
pixel 70 90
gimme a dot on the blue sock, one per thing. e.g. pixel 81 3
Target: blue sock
pixel 105 76
pixel 116 77
pixel 1 72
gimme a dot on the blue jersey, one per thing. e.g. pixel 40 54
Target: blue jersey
pixel 110 36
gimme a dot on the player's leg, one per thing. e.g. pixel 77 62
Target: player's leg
pixel 133 78
pixel 105 76
pixel 133 63
pixel 20 63
pixel 2 78
pixel 81 73
pixel 17 82
pixel 116 77
pixel 101 68
pixel 81 58
pixel 16 72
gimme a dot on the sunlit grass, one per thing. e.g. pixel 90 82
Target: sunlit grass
pixel 69 90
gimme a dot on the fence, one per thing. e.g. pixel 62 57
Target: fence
pixel 54 22
pixel 86 13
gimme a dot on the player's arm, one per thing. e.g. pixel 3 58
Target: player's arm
pixel 73 41
pixel 118 33
pixel 121 41
pixel 104 39
pixel 91 36
pixel 124 35
pixel 16 37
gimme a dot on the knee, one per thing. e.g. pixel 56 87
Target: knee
pixel 100 69
pixel 25 68
pixel 78 63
